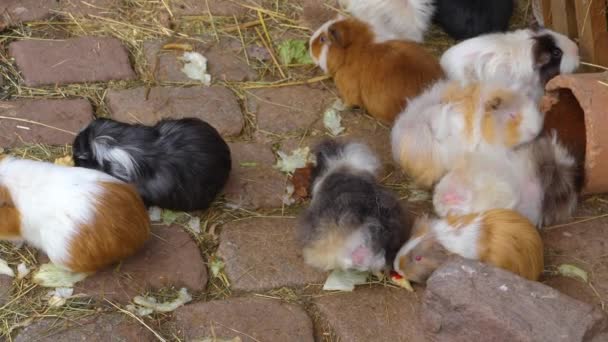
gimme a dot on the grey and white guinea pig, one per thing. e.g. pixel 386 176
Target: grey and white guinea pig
pixel 499 237
pixel 394 19
pixel 526 59
pixel 352 222
pixel 462 19
pixel 176 164
pixel 84 220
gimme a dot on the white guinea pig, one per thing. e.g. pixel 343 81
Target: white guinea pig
pixel 82 219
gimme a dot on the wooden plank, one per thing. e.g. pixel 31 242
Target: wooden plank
pixel 563 17
pixel 545 7
pixel 592 28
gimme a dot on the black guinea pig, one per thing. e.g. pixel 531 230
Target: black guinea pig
pixel 176 164
pixel 463 19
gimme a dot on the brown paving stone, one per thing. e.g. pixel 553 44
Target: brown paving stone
pixel 254 182
pixel 280 110
pixel 113 327
pixel 5 289
pixel 13 12
pixel 373 314
pixel 262 254
pixel 170 258
pixel 251 319
pixel 216 7
pixel 68 115
pixel 225 61
pixel 75 60
pixel 216 105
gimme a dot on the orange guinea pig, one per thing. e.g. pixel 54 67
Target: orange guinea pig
pixel 378 76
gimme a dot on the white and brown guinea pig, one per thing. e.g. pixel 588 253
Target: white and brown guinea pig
pixel 502 238
pixel 84 220
pixel 449 120
pixel 352 221
pixel 393 19
pixel 540 180
pixel 526 59
pixel 379 77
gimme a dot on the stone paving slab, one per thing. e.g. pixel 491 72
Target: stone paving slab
pixel 112 327
pixel 225 61
pixel 66 115
pixel 373 314
pixel 262 254
pixel 5 289
pixel 254 183
pixel 251 319
pixel 216 7
pixel 74 60
pixel 13 12
pixel 170 258
pixel 216 105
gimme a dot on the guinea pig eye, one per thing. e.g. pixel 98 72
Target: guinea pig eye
pixel 556 53
pixel 417 258
pixel 322 39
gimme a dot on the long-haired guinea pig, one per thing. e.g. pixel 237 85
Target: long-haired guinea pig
pixel 450 119
pixel 393 19
pixel 499 237
pixel 82 219
pixel 376 76
pixel 526 59
pixel 462 19
pixel 540 180
pixel 352 222
pixel 176 164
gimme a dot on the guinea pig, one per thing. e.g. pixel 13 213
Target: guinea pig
pixel 84 220
pixel 352 222
pixel 176 164
pixel 526 59
pixel 376 76
pixel 450 119
pixel 394 19
pixel 500 237
pixel 462 19
pixel 540 180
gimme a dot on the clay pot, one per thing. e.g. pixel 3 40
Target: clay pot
pixel 577 107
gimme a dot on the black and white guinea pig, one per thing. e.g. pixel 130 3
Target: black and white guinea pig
pixel 462 19
pixel 176 164
pixel 352 222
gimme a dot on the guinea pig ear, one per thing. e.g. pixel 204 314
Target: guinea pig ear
pixel 338 34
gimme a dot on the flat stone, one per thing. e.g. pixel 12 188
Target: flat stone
pixel 113 327
pixel 170 258
pixel 216 7
pixel 79 8
pixel 254 183
pixel 5 289
pixel 375 313
pixel 225 61
pixel 285 109
pixel 75 60
pixel 261 254
pixel 251 319
pixel 53 122
pixel 13 12
pixel 466 300
pixel 216 105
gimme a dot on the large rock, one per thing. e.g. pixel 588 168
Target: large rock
pixel 469 301
pixel 5 289
pixel 53 122
pixel 251 319
pixel 13 12
pixel 254 182
pixel 216 105
pixel 169 259
pixel 373 314
pixel 262 254
pixel 75 60
pixel 113 327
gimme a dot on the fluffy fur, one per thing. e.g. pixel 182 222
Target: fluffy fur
pixel 82 219
pixel 352 222
pixel 539 180
pixel 379 77
pixel 462 19
pixel 525 59
pixel 176 164
pixel 449 120
pixel 499 237
pixel 394 19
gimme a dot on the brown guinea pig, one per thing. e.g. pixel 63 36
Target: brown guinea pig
pixel 378 76
pixel 499 237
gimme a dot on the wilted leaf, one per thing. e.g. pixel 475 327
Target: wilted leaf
pixel 216 265
pixel 301 180
pixel 64 161
pixel 151 303
pixel 572 271
pixel 400 281
pixel 195 67
pixel 22 271
pixel 169 217
pixel 5 269
pixel 195 224
pixel 294 51
pixel 155 214
pixel 298 159
pixel 60 295
pixel 50 275
pixel 344 280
